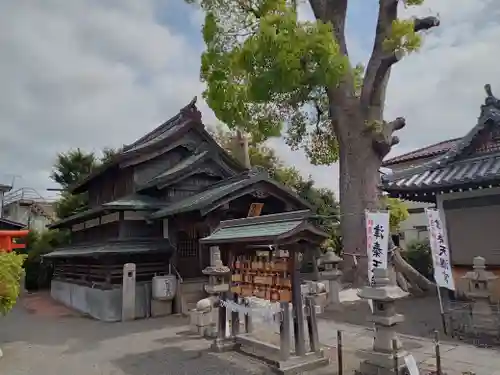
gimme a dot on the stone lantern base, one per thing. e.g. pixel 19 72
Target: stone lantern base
pixel 381 363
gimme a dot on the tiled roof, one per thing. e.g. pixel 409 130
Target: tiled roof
pixel 458 167
pixel 135 202
pixel 220 190
pixel 128 246
pixel 251 231
pixel 10 224
pixel 425 152
pixel 477 171
pixel 264 228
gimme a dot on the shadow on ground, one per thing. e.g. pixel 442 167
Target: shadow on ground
pixel 176 360
pixel 422 316
pixel 22 325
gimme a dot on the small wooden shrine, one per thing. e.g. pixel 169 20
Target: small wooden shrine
pixel 265 254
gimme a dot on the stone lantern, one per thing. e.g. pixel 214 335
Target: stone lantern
pixel 479 283
pixel 328 264
pixel 218 277
pixel 203 318
pixel 380 360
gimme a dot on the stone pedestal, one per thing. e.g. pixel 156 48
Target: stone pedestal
pixel 330 273
pixel 479 290
pixel 380 361
pixel 161 308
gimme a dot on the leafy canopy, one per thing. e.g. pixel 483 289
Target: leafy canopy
pixel 267 71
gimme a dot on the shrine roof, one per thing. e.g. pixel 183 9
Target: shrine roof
pixel 191 164
pixel 113 247
pixel 202 200
pixel 273 228
pixel 425 152
pixel 473 162
pixel 136 202
pixel 188 117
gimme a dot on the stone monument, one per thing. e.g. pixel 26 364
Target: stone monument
pixel 329 272
pixel 479 287
pixel 380 360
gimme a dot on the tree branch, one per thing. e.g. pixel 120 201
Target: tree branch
pixel 376 96
pixel 335 12
pixel 387 14
pixel 384 139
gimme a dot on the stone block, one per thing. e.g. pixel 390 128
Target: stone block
pixel 160 308
pixel 201 322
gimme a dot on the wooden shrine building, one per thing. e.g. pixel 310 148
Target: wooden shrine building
pixel 464 184
pixel 150 205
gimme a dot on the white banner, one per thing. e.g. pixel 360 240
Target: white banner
pixel 440 251
pixel 377 241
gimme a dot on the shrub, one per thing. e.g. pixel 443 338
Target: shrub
pixel 11 271
pixel 418 255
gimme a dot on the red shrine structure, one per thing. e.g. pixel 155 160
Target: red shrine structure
pixel 7 239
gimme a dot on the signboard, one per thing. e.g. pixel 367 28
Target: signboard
pixel 411 365
pixel 255 209
pixel 377 241
pixel 440 251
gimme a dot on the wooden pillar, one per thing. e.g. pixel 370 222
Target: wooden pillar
pixel 312 324
pixel 285 331
pixel 298 311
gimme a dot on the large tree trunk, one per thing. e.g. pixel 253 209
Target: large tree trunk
pixel 359 180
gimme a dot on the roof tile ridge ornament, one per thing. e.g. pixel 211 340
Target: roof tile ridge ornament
pixel 491 100
pixel 491 104
pixel 191 110
pixel 257 170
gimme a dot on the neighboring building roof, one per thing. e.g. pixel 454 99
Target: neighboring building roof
pixel 206 199
pixel 5 188
pixel 113 247
pixel 268 228
pixel 187 118
pixel 424 152
pixel 10 224
pixel 472 162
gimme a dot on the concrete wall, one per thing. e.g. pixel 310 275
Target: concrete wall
pixel 105 305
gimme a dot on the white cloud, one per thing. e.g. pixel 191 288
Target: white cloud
pixel 89 74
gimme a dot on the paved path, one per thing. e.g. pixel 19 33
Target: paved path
pixel 56 342
pixel 41 338
pixel 456 358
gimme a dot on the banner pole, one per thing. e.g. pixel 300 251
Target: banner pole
pixel 441 309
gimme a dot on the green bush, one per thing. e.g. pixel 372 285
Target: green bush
pixel 11 271
pixel 38 273
pixel 418 255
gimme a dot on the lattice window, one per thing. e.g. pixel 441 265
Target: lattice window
pixel 187 244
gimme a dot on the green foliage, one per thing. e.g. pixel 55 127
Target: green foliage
pixel 323 200
pixel 69 204
pixel 71 166
pixel 398 212
pixel 11 271
pixel 418 255
pixel 38 273
pixel 267 72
